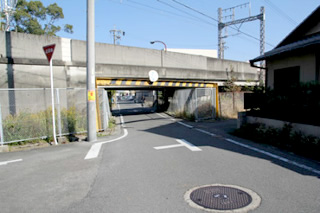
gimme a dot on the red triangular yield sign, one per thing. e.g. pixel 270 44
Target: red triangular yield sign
pixel 48 50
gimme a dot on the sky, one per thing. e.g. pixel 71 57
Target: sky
pixel 192 25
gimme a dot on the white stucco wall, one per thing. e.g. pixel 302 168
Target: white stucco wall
pixel 306 62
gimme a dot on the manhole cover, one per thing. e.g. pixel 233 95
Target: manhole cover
pixel 223 198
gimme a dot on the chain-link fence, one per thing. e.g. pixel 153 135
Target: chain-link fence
pixel 26 114
pixel 205 101
pixel 195 104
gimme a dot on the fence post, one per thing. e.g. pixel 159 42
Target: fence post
pixel 108 109
pixel 1 129
pixel 104 108
pixel 59 112
pixel 197 110
pixel 213 101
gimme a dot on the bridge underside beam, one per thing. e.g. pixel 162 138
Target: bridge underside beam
pixel 101 82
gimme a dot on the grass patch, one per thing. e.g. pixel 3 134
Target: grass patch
pixel 26 125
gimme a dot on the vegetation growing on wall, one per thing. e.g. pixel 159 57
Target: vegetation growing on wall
pixel 230 85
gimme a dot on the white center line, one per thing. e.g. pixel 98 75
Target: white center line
pixel 11 161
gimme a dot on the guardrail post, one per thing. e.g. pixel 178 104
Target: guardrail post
pixel 1 129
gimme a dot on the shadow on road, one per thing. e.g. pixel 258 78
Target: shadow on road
pixel 219 142
pixel 222 130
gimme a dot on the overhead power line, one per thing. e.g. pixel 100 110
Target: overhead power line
pixel 194 17
pixel 281 12
pixel 197 11
pixel 162 12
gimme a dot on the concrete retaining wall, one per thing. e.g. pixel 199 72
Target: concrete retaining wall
pixel 230 103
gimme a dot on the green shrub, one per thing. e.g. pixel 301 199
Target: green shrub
pixel 73 121
pixel 284 138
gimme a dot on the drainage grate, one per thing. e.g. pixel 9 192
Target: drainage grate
pixel 223 198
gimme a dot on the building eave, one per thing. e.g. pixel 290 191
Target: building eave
pixel 311 41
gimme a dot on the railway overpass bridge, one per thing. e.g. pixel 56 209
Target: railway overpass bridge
pixel 24 65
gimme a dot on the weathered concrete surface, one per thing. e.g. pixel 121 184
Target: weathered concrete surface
pixel 4 148
pixel 23 63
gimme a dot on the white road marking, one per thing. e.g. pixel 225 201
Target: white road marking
pixel 182 143
pixel 275 156
pixel 205 132
pixel 94 151
pixel 189 145
pixel 168 147
pixel 308 168
pixel 122 121
pixel 11 161
pixel 161 115
pixel 95 148
pixel 186 125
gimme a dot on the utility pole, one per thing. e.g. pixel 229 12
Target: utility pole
pixel 91 79
pixel 262 42
pixel 223 25
pixel 117 35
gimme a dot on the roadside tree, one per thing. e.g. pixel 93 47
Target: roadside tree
pixel 34 18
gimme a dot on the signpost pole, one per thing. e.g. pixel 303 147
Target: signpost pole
pixel 48 50
pixel 53 111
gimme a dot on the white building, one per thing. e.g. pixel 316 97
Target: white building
pixel 202 52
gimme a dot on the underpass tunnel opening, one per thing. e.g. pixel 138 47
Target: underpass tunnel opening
pixel 189 100
pixel 137 101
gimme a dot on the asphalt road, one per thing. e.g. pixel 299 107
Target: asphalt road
pixel 149 170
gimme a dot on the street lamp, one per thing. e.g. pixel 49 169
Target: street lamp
pixel 165 46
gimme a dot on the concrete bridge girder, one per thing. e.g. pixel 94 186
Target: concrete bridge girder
pixel 26 55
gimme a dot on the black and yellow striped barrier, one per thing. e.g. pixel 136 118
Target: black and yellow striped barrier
pixel 147 83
